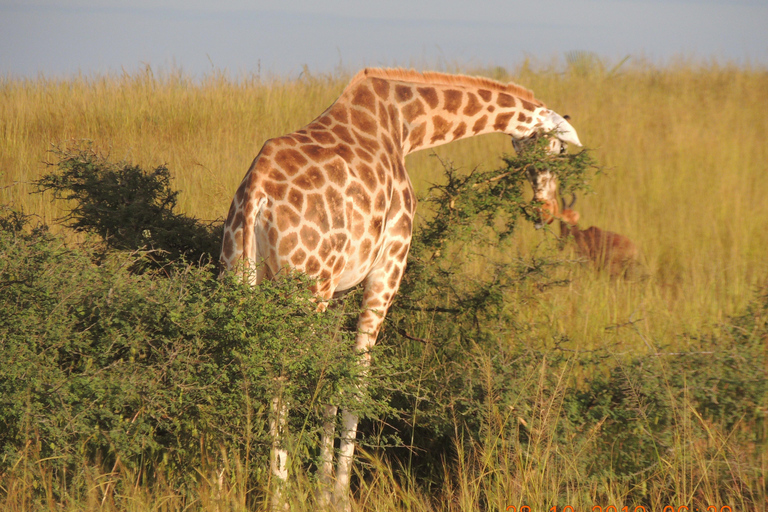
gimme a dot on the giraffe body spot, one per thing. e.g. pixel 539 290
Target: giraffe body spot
pixel 480 124
pixel 275 190
pixel 460 130
pixel 364 122
pixel 416 137
pixel 309 237
pixel 403 93
pixel 506 100
pixel 430 96
pixel 363 97
pixel 502 121
pixel 286 217
pixel 473 105
pixel 453 100
pixel 413 110
pixel 342 133
pixel 381 87
pixel 336 172
pixel 440 128
pixel 287 244
pixel 485 94
pixel 315 212
pixel 290 161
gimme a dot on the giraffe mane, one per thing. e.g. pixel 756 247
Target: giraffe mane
pixel 437 78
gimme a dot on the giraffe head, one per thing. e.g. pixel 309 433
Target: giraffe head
pixel 559 134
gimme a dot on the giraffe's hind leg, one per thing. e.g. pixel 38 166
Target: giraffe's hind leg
pixel 278 457
pixel 379 290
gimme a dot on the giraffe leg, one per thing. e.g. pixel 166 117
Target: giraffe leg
pixel 326 457
pixel 380 287
pixel 278 457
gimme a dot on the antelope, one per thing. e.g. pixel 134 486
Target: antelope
pixel 605 249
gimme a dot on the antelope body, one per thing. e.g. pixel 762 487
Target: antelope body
pixel 605 249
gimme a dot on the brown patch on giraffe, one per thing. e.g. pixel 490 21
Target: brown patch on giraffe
pixel 404 253
pixel 416 137
pixel 276 175
pixel 403 93
pixel 394 279
pixel 315 212
pixel 274 190
pixel 335 202
pixel 460 130
pixel 227 244
pixel 296 199
pixel 473 105
pixel 338 241
pixel 440 128
pixel 339 266
pixel 339 113
pixel 240 194
pixel 395 248
pixel 506 100
pixel 298 257
pixel 318 153
pixel 395 205
pixel 521 117
pixel 430 96
pixel 528 105
pixel 302 138
pixel 309 237
pixel 336 172
pixel 403 227
pixel 311 179
pixel 413 110
pixel 408 201
pixel 325 249
pixel 325 121
pixel 266 150
pixel 290 161
pixel 364 155
pixel 367 176
pixel 389 146
pixel 491 109
pixel 480 124
pixel 345 152
pixel 286 217
pixel 363 97
pixel 313 266
pixel 287 244
pixel 383 118
pixel 374 228
pixel 369 144
pixel 360 197
pixel 364 122
pixel 239 219
pixel 381 174
pixel 502 120
pixel 272 236
pixel 365 250
pixel 485 94
pixel 453 100
pixel 342 133
pixel 381 87
pixel 380 202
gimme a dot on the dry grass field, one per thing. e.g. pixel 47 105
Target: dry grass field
pixel 684 175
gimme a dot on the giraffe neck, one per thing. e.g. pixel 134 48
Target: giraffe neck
pixel 421 111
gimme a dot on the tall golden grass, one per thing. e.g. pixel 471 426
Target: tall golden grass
pixel 685 176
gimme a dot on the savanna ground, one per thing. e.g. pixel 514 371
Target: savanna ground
pixel 547 384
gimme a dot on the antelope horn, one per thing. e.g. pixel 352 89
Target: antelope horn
pixel 573 200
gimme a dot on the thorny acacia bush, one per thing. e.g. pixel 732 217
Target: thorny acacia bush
pixel 168 366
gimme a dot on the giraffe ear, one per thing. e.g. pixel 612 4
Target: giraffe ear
pixel 563 129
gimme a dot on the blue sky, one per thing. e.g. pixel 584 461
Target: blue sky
pixel 61 38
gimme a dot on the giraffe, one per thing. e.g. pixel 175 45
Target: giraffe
pixel 334 200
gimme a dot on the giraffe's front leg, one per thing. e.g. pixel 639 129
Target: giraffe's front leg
pixel 380 287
